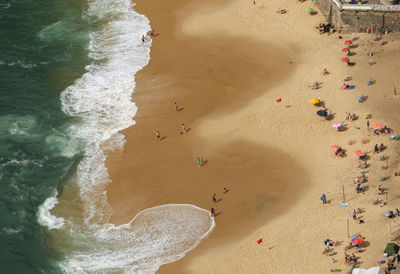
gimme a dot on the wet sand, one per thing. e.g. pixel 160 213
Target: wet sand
pixel 207 77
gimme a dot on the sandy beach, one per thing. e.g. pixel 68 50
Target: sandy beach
pixel 226 63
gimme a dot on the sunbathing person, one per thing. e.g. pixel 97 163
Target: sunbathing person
pixel 345 86
pixel 381 147
pixel 376 148
pixel 325 72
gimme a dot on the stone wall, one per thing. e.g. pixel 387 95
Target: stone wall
pixel 357 18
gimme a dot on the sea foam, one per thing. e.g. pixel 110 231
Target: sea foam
pixel 101 102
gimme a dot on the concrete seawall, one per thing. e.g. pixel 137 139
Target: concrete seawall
pixel 358 18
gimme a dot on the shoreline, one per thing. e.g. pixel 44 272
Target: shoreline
pixel 252 127
pixel 217 83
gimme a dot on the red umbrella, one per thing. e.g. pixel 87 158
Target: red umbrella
pixel 357 240
pixel 345 49
pixel 345 59
pixel 348 42
pixel 358 152
pixel 334 146
pixel 377 125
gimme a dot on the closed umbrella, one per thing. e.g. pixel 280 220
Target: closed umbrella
pixel 358 152
pixel 336 125
pixel 308 10
pixel 334 146
pixel 348 42
pixel 345 49
pixel 345 59
pixel 314 101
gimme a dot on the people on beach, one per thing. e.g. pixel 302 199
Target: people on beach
pixel 323 198
pixel 225 190
pixel 183 129
pixel 368 125
pixel 143 39
pixel 325 72
pixel 176 106
pixel 158 135
pixel 198 161
pixel 381 190
pixel 152 33
pixel 212 211
pixel 214 199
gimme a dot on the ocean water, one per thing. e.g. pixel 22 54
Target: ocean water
pixel 67 76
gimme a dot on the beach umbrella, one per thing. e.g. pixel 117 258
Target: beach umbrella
pixel 391 248
pixel 336 125
pixel 377 126
pixel 358 152
pixel 345 59
pixel 322 113
pixel 345 49
pixel 308 9
pixel 348 42
pixel 314 101
pixel 357 240
pixel 334 146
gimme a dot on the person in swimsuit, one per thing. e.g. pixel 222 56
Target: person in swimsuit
pixel 212 212
pixel 183 129
pixel 214 198
pixel 176 107
pixel 198 161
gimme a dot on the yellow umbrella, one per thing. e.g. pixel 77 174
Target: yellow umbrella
pixel 314 101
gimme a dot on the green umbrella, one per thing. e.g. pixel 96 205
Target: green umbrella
pixel 391 248
pixel 308 9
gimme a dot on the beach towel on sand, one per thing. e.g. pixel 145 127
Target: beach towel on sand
pixel 372 270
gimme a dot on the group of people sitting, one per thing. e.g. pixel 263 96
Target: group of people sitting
pixel 393 213
pixel 281 11
pixel 326 28
pixel 340 152
pixel 378 149
pixel 351 117
pixel 315 85
pixel 352 260
pixel 386 130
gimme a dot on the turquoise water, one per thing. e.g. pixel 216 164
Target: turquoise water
pixel 47 41
pixel 67 74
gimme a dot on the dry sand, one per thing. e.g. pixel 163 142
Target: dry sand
pixel 226 63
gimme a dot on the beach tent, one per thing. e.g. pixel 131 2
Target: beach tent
pixel 391 248
pixel 372 270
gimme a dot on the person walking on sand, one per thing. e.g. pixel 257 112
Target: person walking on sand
pixel 183 129
pixel 212 212
pixel 158 135
pixel 323 198
pixel 368 125
pixel 198 161
pixel 214 198
pixel 176 107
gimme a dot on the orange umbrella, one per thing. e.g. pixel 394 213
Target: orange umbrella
pixel 334 146
pixel 377 126
pixel 348 42
pixel 358 152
